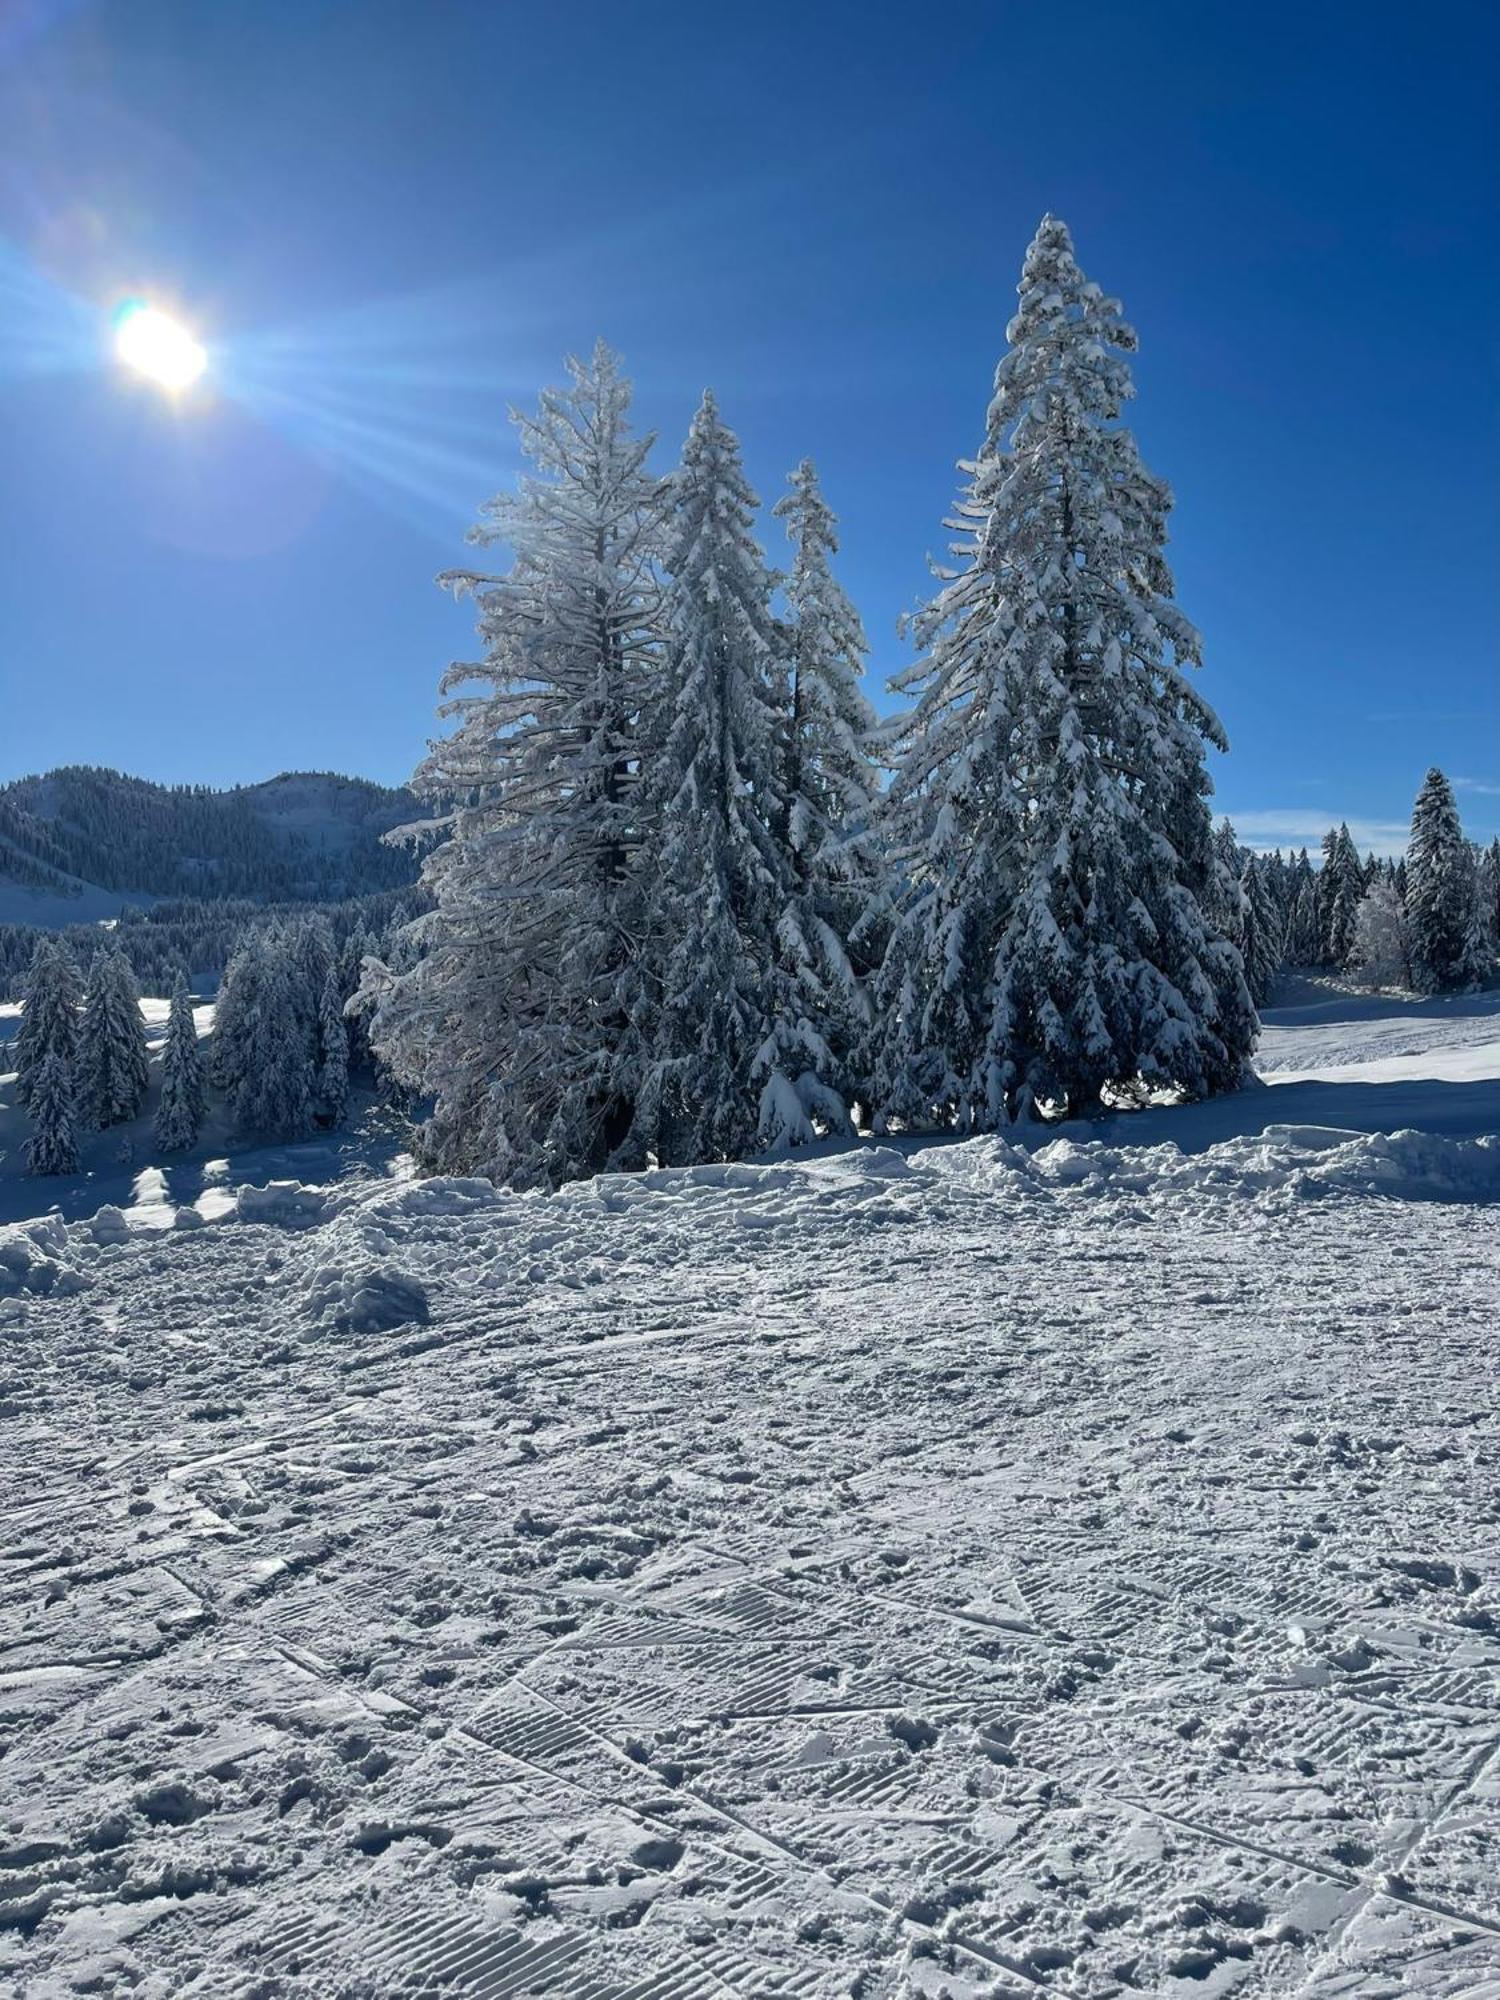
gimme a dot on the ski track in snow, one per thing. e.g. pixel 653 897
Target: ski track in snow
pixel 973 1572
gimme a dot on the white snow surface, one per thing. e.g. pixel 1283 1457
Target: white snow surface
pixel 963 1569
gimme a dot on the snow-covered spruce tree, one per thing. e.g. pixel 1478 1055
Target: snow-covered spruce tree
pixel 180 1108
pixel 333 1052
pixel 728 1058
pixel 113 1068
pixel 1050 795
pixel 830 794
pixel 1377 951
pixel 1228 895
pixel 263 1060
pixel 1263 937
pixel 52 1147
pixel 1303 935
pixel 1441 906
pixel 513 1019
pixel 50 1000
pixel 1487 885
pixel 1340 886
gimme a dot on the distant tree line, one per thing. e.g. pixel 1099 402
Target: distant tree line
pixel 198 937
pixel 1428 922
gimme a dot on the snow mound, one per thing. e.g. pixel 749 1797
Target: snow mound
pixel 1283 1162
pixel 34 1259
pixel 109 1225
pixel 443 1195
pixel 372 1300
pixel 286 1203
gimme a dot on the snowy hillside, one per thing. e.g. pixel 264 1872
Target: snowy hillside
pixel 961 1571
pixel 78 844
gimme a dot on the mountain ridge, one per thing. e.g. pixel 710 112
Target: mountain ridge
pixel 80 841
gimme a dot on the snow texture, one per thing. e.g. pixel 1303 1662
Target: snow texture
pixel 967 1569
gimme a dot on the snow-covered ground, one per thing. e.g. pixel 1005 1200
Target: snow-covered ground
pixel 958 1569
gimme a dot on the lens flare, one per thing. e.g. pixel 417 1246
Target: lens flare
pixel 158 346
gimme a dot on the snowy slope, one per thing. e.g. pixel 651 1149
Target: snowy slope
pixel 970 1570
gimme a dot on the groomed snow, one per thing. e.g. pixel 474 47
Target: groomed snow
pixel 956 1569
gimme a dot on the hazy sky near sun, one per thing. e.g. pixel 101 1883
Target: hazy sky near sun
pixel 390 221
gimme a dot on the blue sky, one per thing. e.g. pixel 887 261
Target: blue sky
pixel 390 221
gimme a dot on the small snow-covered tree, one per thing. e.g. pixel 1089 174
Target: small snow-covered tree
pixel 52 1147
pixel 1377 951
pixel 50 1000
pixel 1057 936
pixel 113 1067
pixel 723 1039
pixel 180 1108
pixel 829 798
pixel 1442 934
pixel 513 1018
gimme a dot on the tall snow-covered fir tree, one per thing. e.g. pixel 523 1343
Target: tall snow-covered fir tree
pixel 52 1147
pixel 333 1051
pixel 1303 934
pixel 1442 924
pixel 512 1019
pixel 50 1001
pixel 830 789
pixel 1050 797
pixel 113 1068
pixel 1487 885
pixel 1262 940
pixel 180 1108
pixel 727 1055
pixel 1340 887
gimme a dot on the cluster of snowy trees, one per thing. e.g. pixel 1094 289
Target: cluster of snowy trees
pixel 283 1047
pixel 283 1050
pixel 677 914
pixel 80 1052
pixel 1429 921
pixel 201 933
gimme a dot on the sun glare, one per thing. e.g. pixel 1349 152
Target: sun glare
pixel 158 346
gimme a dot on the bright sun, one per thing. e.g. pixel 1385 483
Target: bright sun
pixel 155 344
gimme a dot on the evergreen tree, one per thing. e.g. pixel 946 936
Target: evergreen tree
pixel 179 1111
pixel 1487 884
pixel 50 1000
pixel 1339 890
pixel 1378 955
pixel 512 1018
pixel 1050 794
pixel 333 1052
pixel 724 1042
pixel 263 1060
pixel 113 1066
pixel 1228 894
pixel 52 1147
pixel 1442 934
pixel 829 790
pixel 1263 938
pixel 1303 929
